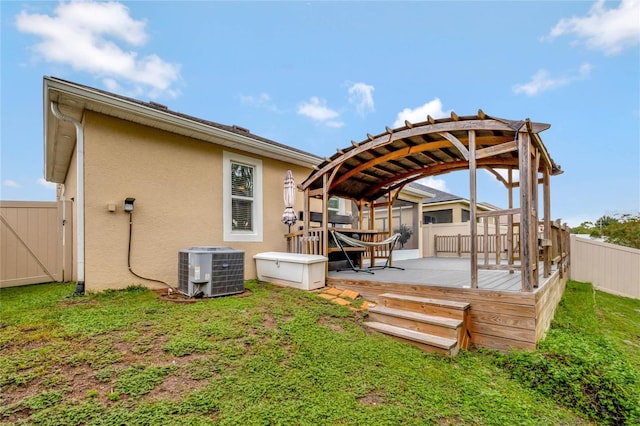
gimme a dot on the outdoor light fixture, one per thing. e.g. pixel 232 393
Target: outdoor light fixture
pixel 128 204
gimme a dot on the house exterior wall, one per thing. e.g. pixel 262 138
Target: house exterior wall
pixel 456 208
pixel 177 184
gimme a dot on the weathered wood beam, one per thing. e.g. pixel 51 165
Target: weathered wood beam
pixel 547 221
pixel 315 192
pixel 497 175
pixel 456 142
pixel 325 221
pixel 390 156
pixel 497 150
pixel 441 168
pixel 474 210
pixel 524 154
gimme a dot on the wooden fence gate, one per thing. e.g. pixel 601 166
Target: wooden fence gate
pixel 33 248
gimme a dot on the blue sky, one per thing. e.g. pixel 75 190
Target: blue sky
pixel 316 75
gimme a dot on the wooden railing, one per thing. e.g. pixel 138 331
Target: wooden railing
pixel 306 243
pixel 502 243
pixel 311 243
pixel 461 244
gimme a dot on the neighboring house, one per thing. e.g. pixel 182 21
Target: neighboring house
pixel 406 211
pixel 447 208
pixel 448 214
pixel 195 183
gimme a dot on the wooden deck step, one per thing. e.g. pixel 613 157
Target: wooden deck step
pixel 426 342
pixel 439 326
pixel 436 307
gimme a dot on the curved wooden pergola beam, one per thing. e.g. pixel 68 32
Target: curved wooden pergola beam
pixel 419 148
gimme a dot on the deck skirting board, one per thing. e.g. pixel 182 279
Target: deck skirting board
pixel 499 319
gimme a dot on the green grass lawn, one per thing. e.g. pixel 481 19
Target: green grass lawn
pixel 284 356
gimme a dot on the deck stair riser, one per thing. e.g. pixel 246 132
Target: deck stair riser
pixel 433 325
pixel 437 326
pixel 436 307
pixel 426 342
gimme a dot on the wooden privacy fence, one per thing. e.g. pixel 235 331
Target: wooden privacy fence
pixel 31 249
pixel 610 268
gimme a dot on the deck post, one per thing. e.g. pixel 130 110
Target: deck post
pixel 536 215
pixel 524 156
pixel 547 222
pixel 325 216
pixel 510 223
pixel 473 208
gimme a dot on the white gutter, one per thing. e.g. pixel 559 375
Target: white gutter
pixel 80 192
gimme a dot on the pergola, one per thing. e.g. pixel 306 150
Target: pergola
pixel 374 171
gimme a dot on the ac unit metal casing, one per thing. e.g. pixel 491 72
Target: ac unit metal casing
pixel 214 271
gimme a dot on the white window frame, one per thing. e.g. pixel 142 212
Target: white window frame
pixel 228 233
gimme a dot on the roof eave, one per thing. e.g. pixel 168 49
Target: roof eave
pixel 193 128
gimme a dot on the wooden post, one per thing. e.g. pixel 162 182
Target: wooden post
pixel 372 225
pixel 547 222
pixel 325 216
pixel 473 213
pixel 536 216
pixel 510 223
pixel 390 223
pixel 307 213
pixel 524 156
pixel 498 232
pixel 486 240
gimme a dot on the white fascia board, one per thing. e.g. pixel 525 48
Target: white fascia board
pixel 418 192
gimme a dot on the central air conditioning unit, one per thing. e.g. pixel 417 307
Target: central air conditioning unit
pixel 209 271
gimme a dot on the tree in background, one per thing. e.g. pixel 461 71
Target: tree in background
pixel 622 229
pixel 405 233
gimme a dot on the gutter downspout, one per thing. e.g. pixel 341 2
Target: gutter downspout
pixel 80 195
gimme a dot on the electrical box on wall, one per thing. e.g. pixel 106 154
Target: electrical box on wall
pixel 210 271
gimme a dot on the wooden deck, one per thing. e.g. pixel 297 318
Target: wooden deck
pixel 502 316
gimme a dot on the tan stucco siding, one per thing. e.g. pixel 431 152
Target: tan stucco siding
pixel 177 184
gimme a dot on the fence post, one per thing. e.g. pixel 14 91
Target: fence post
pixel 459 245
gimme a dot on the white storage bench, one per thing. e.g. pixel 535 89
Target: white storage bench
pixel 303 271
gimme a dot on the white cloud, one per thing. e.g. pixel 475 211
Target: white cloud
pixel 434 182
pixel 515 175
pixel 11 183
pixel 263 100
pixel 259 100
pixel 48 185
pixel 542 81
pixel 88 36
pixel 361 95
pixel 419 114
pixel 317 110
pixel 609 30
pixel 334 124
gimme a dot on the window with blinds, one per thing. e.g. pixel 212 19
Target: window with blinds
pixel 242 197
